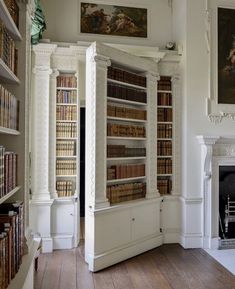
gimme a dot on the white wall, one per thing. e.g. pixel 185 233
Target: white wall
pixel 62 19
pixel 189 30
pixel 187 27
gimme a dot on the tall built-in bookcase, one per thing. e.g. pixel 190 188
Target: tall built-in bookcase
pixel 122 202
pixel 165 136
pixel 66 135
pixel 15 259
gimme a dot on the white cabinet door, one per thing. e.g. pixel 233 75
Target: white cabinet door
pixel 63 219
pixel 112 230
pixel 145 221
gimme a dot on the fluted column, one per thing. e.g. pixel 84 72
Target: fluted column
pixel 176 134
pixel 151 133
pixel 52 135
pixel 40 205
pixel 40 123
pixel 96 113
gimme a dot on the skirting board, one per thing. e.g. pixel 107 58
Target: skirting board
pixel 171 237
pixel 112 257
pixel 47 245
pixel 62 242
pixel 191 241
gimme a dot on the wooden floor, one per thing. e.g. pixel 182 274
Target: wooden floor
pixel 166 267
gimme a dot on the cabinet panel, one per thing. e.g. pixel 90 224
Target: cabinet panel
pixel 112 230
pixel 145 221
pixel 63 219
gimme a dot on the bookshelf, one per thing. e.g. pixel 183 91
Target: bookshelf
pixel 126 121
pixel 67 135
pixel 122 203
pixel 164 136
pixel 14 160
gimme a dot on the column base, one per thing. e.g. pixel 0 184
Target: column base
pixel 40 222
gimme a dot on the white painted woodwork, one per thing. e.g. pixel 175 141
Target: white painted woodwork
pixel 60 214
pixel 115 233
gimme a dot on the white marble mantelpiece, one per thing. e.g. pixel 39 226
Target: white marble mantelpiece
pixel 215 152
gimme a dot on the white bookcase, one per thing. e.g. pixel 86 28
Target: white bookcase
pixel 115 229
pixel 119 227
pixel 55 170
pixel 18 140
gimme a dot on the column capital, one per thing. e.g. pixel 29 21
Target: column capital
pixel 42 70
pixel 101 60
pixel 152 76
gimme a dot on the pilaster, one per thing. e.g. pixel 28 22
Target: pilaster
pixel 151 133
pixel 176 133
pixel 207 143
pixel 52 135
pixel 40 124
pixel 96 130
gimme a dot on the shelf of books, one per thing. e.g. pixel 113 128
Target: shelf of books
pixel 12 180
pixel 164 136
pixel 66 135
pixel 126 135
pixel 9 33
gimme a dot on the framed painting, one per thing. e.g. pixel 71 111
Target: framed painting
pixel 97 18
pixel 226 55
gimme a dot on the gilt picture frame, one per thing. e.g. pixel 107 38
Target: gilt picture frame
pixel 226 55
pixel 113 20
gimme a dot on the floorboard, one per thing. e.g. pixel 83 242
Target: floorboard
pixel 166 267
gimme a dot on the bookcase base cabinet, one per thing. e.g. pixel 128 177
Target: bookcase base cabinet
pixel 123 231
pixel 64 224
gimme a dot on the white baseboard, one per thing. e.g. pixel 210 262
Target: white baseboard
pixel 171 236
pixel 47 245
pixel 62 242
pixel 191 241
pixel 112 257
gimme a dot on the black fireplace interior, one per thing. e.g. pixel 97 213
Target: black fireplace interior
pixel 226 193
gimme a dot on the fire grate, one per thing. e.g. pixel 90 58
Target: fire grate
pixel 226 244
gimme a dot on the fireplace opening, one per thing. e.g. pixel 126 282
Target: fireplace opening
pixel 227 205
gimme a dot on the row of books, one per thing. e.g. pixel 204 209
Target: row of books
pixel 164 166
pixel 65 167
pixel 8 51
pixel 125 171
pixel 126 76
pixel 126 192
pixel 9 109
pixel 164 114
pixel 65 148
pixel 115 151
pixel 64 188
pixel 67 80
pixel 13 9
pixel 66 96
pixel 164 83
pixel 11 241
pixel 164 185
pixel 164 130
pixel 122 130
pixel 8 171
pixel 122 92
pixel 66 113
pixel 125 112
pixel 164 98
pixel 164 148
pixel 66 129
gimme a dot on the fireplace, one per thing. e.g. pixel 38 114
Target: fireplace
pixel 218 191
pixel 227 202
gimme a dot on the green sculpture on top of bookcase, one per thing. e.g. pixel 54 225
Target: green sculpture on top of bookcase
pixel 38 23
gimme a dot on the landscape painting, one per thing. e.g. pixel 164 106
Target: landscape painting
pixel 113 20
pixel 226 56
